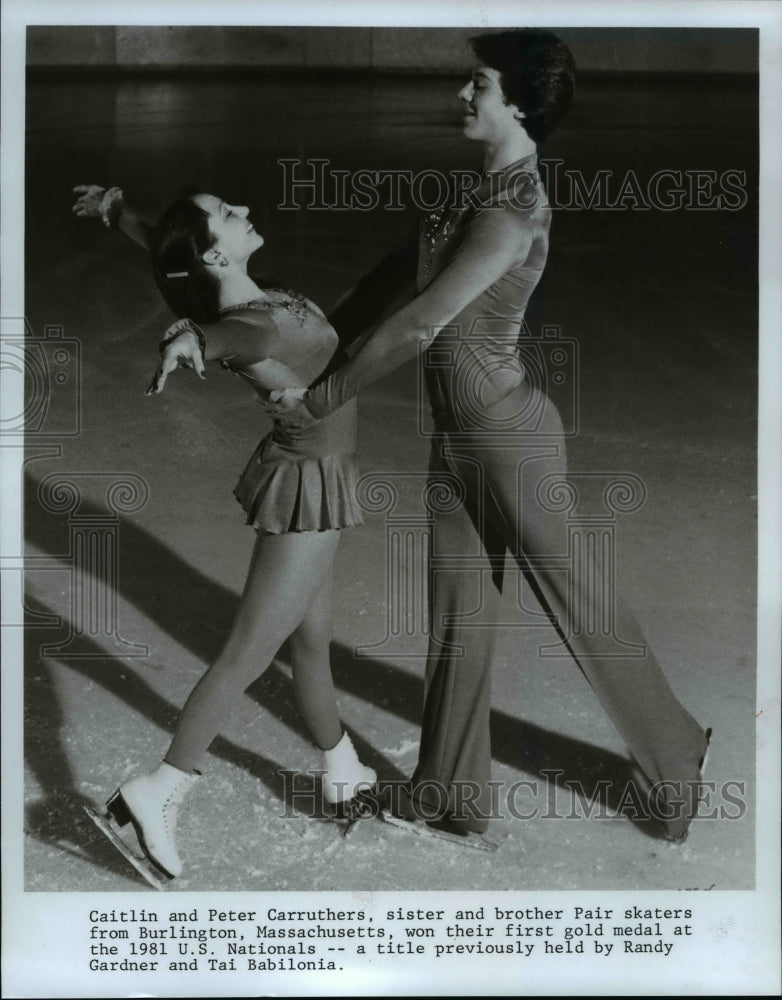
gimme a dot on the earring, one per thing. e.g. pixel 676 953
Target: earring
pixel 223 262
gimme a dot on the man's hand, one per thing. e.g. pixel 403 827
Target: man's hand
pixel 287 406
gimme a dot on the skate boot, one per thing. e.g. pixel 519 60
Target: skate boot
pixel 675 831
pixel 681 836
pixel 150 803
pixel 405 812
pixel 344 781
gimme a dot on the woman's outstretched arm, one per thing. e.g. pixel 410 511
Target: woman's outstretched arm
pixel 108 204
pixel 243 345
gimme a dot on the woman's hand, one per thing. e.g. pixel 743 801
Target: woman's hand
pixel 88 204
pixel 287 406
pixel 95 202
pixel 180 348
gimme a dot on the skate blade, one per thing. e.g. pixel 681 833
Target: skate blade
pixel 707 752
pixel 474 840
pixel 347 828
pixel 353 824
pixel 348 815
pixel 141 864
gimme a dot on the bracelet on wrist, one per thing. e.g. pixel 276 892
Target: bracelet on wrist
pixel 193 328
pixel 111 207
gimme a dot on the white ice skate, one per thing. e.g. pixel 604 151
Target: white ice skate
pixel 149 803
pixel 348 785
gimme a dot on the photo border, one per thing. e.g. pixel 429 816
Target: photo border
pixel 742 960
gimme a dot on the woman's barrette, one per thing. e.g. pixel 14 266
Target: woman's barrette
pixel 177 274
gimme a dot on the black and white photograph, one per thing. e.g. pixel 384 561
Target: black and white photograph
pixel 391 489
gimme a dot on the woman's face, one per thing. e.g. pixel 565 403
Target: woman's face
pixel 486 115
pixel 234 235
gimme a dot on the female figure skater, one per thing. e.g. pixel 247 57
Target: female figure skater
pixel 497 437
pixel 298 491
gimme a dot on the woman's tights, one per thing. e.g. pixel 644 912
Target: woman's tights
pixel 287 595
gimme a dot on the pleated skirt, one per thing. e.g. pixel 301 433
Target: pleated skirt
pixel 304 479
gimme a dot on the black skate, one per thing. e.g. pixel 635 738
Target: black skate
pixel 430 829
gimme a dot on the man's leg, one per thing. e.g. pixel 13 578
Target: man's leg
pixel 454 764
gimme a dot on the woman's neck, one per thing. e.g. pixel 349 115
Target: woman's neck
pixel 236 286
pixel 498 156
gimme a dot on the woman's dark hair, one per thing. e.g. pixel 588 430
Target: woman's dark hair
pixel 537 73
pixel 179 238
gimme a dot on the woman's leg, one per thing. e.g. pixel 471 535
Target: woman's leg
pixel 286 573
pixel 309 648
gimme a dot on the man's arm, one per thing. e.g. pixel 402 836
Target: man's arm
pixel 360 309
pixel 490 245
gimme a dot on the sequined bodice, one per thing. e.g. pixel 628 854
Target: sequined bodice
pixel 291 330
pixel 517 189
pixel 436 228
pixel 278 298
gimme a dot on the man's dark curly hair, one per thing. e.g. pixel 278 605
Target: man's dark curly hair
pixel 537 73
